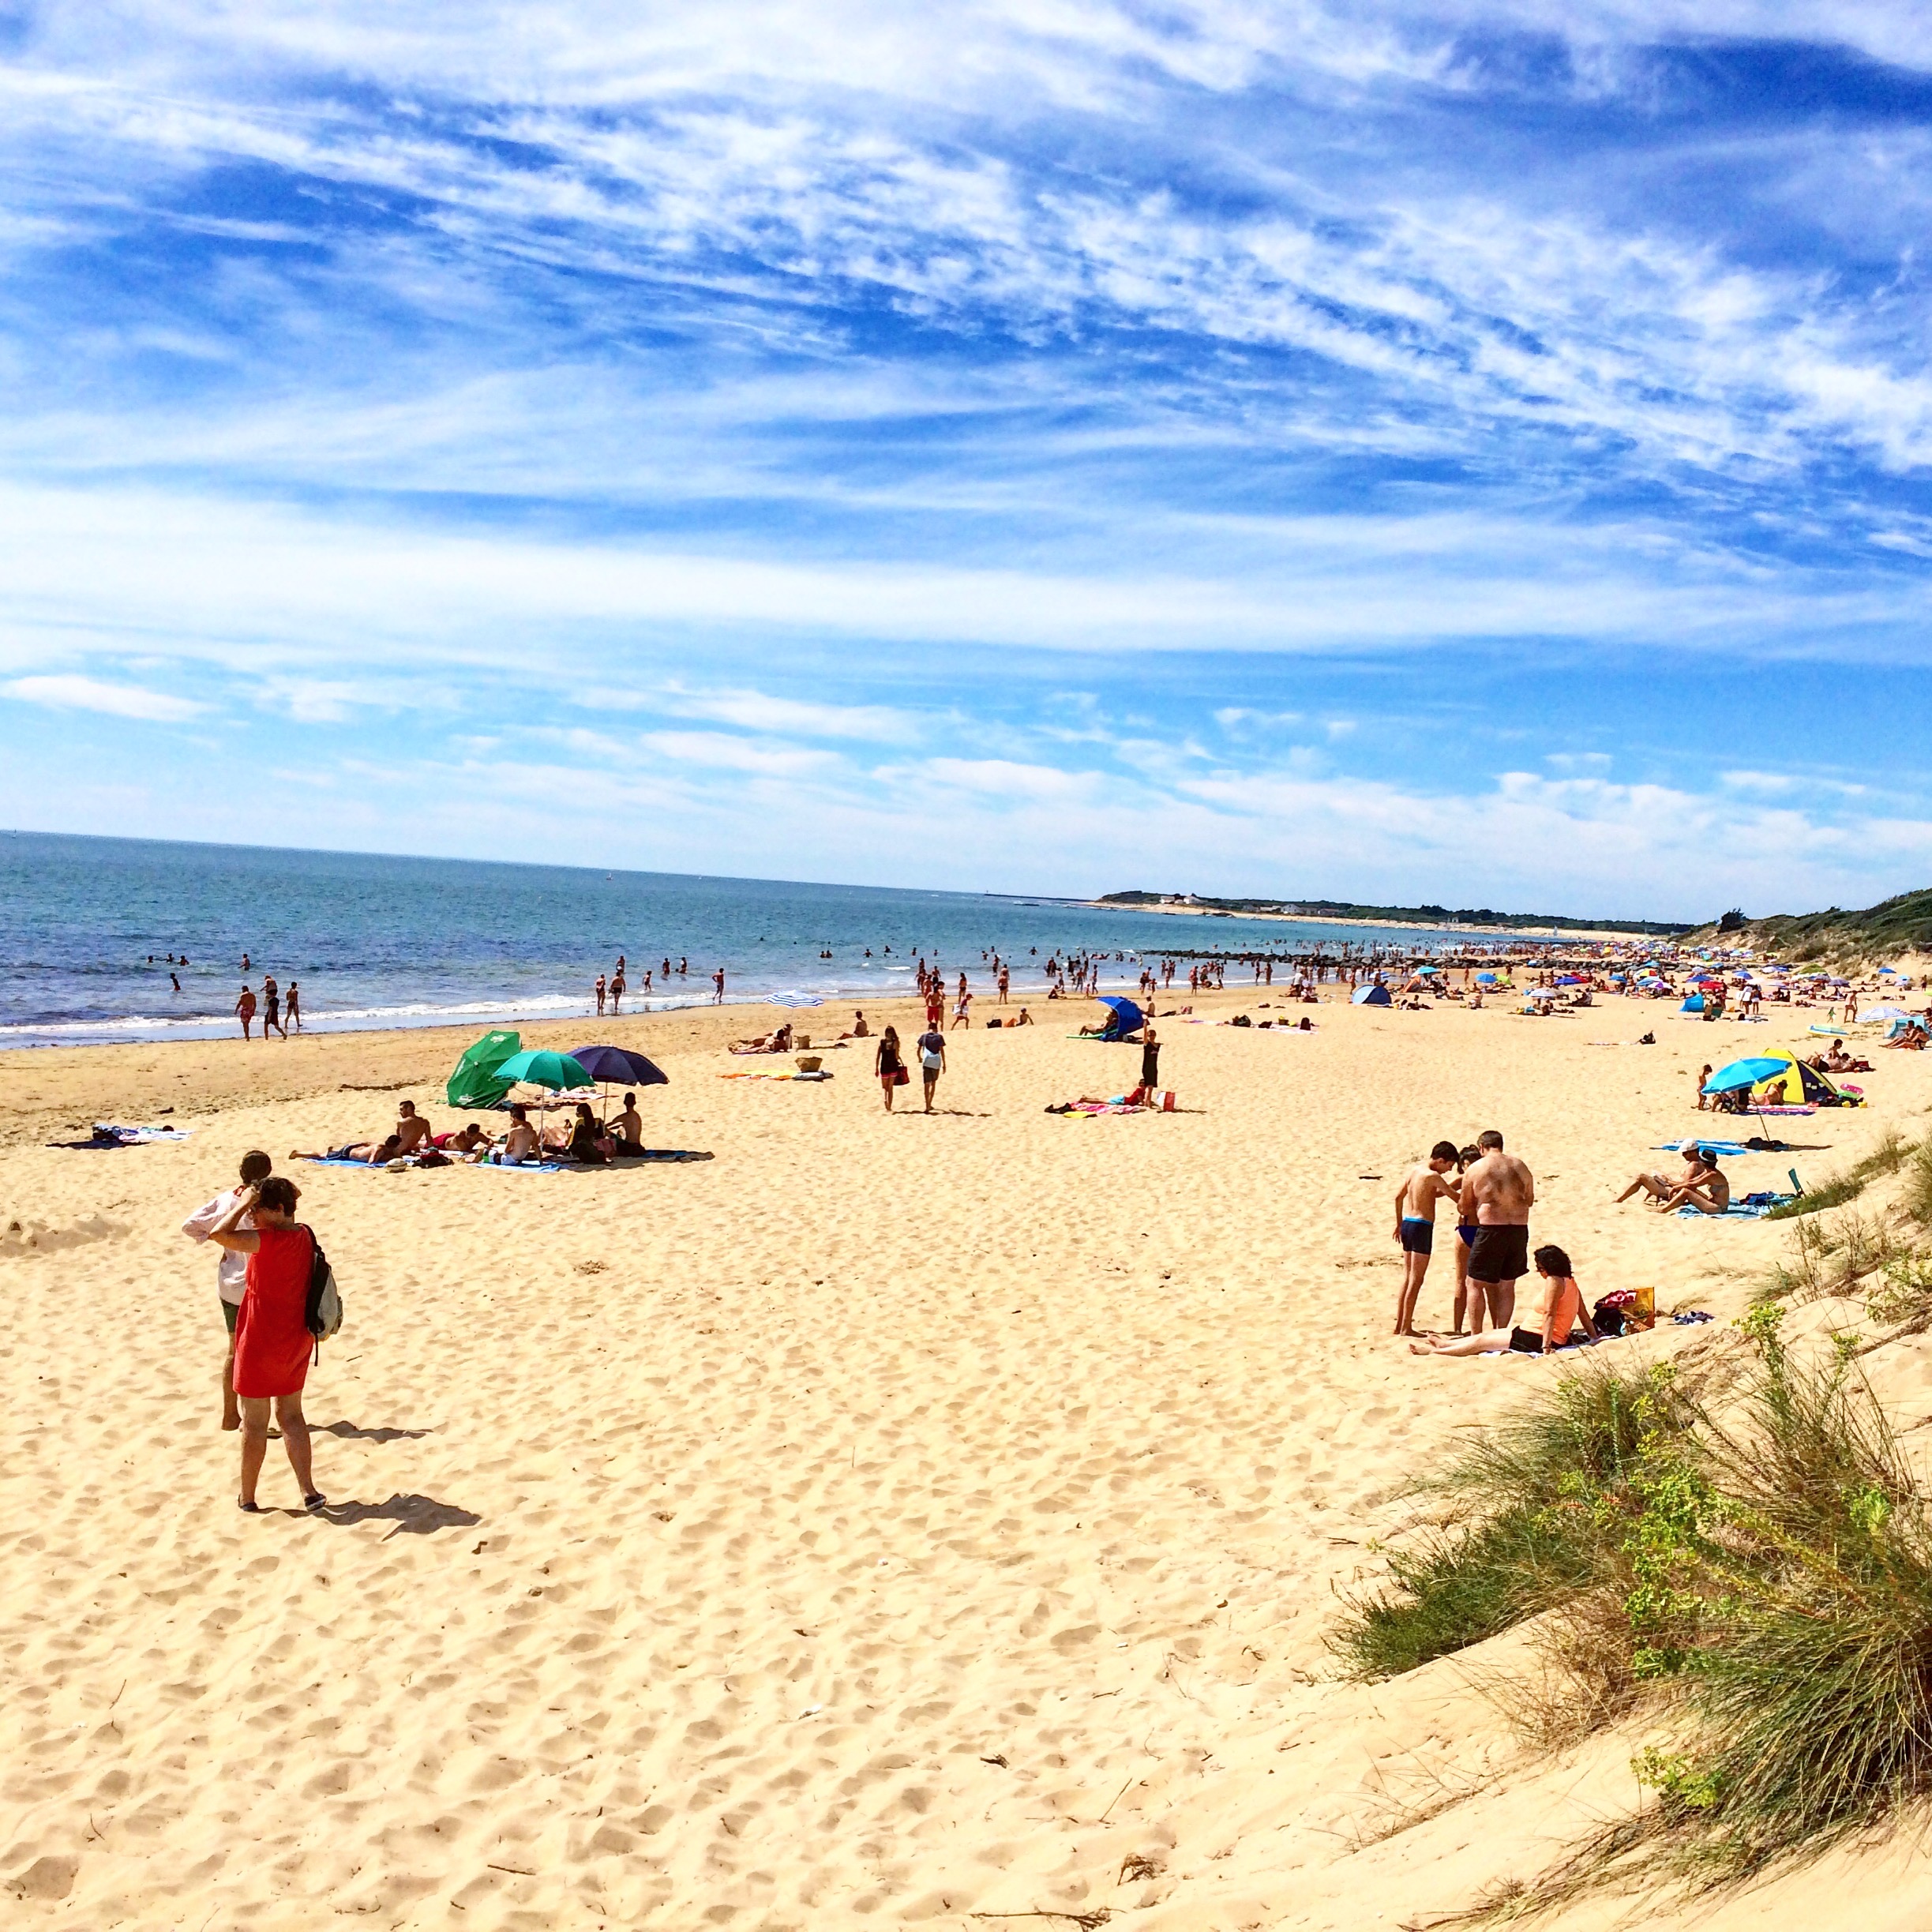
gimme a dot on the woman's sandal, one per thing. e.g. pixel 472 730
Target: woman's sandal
pixel 314 1502
pixel 253 1509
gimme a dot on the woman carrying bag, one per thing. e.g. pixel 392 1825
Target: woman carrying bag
pixel 889 1066
pixel 272 1338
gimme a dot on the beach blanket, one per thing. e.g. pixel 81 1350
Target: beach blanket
pixel 1716 1147
pixel 1163 1102
pixel 382 1167
pixel 749 1073
pixel 1752 1207
pixel 107 1134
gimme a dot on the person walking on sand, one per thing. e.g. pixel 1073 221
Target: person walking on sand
pixel 932 1060
pixel 244 1009
pixel 1498 1193
pixel 272 1338
pixel 887 1065
pixel 291 1007
pixel 963 1012
pixel 230 1271
pixel 617 990
pixel 718 985
pixel 272 1006
pixel 1415 1200
pixel 599 991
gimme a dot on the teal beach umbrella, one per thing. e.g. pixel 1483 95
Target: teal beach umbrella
pixel 542 1067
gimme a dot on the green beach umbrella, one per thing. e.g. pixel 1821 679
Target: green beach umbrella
pixel 476 1082
pixel 542 1067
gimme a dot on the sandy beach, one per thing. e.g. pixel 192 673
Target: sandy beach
pixel 887 1520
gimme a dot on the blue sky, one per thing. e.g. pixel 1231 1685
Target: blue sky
pixel 1471 453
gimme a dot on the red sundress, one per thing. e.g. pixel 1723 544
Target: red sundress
pixel 272 1338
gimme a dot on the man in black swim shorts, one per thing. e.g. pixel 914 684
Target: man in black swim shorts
pixel 1498 1193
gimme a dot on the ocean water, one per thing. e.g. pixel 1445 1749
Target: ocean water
pixel 377 941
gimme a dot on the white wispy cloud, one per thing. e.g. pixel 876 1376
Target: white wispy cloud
pixel 71 692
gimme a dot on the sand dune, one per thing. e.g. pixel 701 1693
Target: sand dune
pixel 887 1521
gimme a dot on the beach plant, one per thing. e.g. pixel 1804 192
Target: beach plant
pixel 1917 1194
pixel 1891 1154
pixel 1781 1604
pixel 1540 1506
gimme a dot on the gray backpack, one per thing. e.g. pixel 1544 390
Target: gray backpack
pixel 323 1313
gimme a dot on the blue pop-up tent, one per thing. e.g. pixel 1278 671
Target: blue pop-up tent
pixel 1125 1019
pixel 1370 995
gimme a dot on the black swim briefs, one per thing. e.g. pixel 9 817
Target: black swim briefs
pixel 1500 1254
pixel 1418 1236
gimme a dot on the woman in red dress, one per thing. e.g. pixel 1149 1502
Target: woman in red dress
pixel 271 1338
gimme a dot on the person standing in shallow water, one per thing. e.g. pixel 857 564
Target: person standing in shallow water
pixel 244 1009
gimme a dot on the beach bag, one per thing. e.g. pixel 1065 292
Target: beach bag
pixel 323 1315
pixel 1161 1099
pixel 1608 1316
pixel 902 1078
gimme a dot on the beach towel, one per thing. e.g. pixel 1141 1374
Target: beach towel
pixel 1716 1147
pixel 1752 1207
pixel 749 1073
pixel 107 1135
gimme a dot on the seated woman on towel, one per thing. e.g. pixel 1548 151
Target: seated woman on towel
pixel 1550 1318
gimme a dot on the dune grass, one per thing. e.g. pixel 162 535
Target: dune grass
pixel 1891 1154
pixel 1536 1498
pixel 1781 1608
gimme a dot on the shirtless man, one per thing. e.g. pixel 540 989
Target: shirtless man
pixel 412 1131
pixel 244 1009
pixel 1422 1187
pixel 628 1128
pixel 520 1143
pixel 1498 1193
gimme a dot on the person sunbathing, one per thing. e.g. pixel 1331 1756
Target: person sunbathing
pixel 628 1129
pixel 1707 1188
pixel 373 1153
pixel 466 1140
pixel 778 1041
pixel 521 1143
pixel 1656 1187
pixel 1551 1312
pixel 587 1142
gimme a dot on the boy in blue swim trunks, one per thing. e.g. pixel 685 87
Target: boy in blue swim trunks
pixel 1414 1226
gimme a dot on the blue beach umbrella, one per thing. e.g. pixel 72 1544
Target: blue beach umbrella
pixel 618 1066
pixel 1742 1074
pixel 1127 1017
